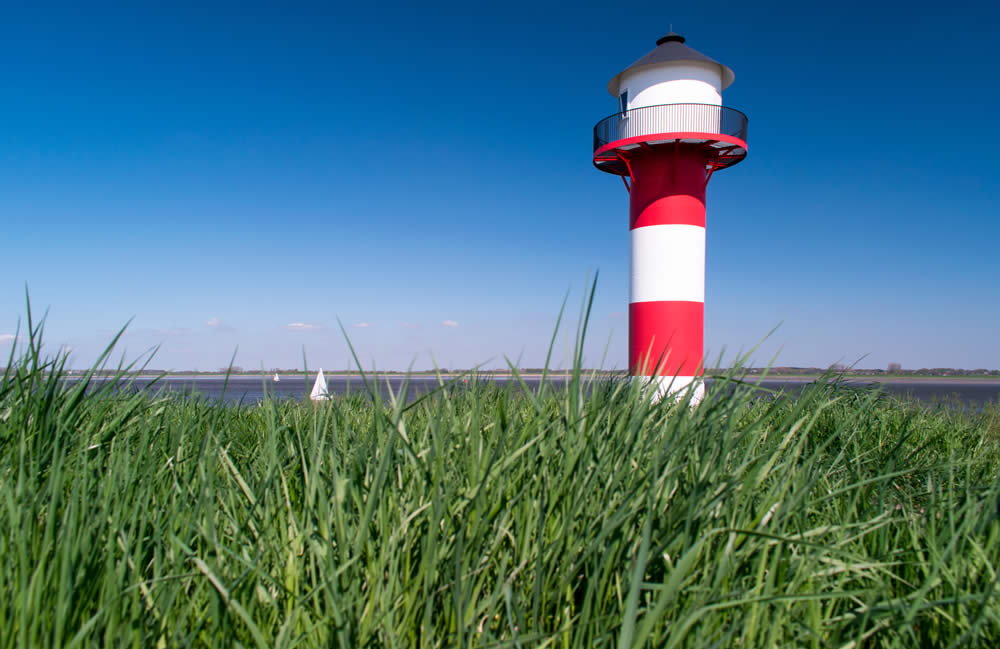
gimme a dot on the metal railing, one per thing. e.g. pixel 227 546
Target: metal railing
pixel 670 118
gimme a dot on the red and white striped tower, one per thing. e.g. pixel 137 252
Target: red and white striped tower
pixel 669 135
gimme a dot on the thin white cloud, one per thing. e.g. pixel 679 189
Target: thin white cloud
pixel 361 325
pixel 303 326
pixel 218 324
pixel 449 323
pixel 6 338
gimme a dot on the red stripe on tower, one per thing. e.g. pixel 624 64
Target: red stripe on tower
pixel 668 189
pixel 665 338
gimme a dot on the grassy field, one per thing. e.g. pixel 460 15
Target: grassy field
pixel 484 517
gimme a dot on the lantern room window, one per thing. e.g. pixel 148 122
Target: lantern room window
pixel 623 102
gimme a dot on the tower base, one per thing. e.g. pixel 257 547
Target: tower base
pixel 674 387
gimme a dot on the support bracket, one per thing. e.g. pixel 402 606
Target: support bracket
pixel 630 175
pixel 708 176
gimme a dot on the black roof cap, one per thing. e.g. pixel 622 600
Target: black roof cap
pixel 672 37
pixel 671 48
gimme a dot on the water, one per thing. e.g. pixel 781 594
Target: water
pixel 251 389
pixel 973 394
pixel 970 393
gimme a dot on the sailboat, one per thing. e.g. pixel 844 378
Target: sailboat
pixel 319 391
pixel 276 377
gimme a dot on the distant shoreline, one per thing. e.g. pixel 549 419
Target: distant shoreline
pixel 749 378
pixel 866 378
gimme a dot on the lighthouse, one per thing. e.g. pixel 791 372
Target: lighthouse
pixel 668 136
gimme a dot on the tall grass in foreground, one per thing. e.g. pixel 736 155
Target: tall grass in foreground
pixel 484 517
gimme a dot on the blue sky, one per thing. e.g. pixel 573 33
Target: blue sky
pixel 243 175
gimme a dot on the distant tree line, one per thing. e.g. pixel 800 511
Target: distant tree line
pixel 893 369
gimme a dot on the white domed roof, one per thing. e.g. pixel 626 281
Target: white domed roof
pixel 671 48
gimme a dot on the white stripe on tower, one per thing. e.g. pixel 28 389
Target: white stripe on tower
pixel 667 264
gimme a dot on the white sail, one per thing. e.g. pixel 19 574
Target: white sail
pixel 276 377
pixel 319 391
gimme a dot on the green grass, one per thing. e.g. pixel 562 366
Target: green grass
pixel 482 516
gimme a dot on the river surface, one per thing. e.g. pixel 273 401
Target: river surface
pixel 971 393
